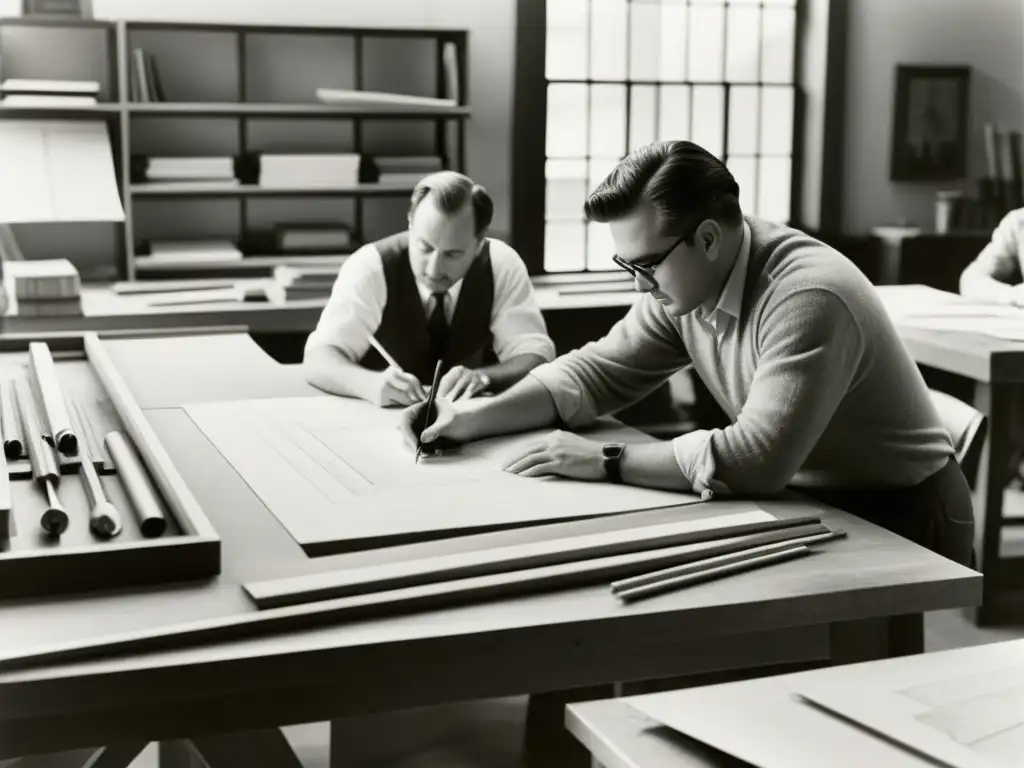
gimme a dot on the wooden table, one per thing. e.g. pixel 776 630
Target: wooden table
pixel 619 736
pixel 845 606
pixel 997 369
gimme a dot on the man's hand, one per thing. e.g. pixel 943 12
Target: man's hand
pixel 399 388
pixel 560 453
pixel 442 433
pixel 461 382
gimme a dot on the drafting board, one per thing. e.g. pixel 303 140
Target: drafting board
pixel 767 722
pixel 335 474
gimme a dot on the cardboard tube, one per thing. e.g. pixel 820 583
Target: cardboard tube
pixel 55 413
pixel 136 483
pixel 14 448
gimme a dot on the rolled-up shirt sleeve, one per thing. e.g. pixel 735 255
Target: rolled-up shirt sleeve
pixel 1000 258
pixel 637 355
pixel 517 324
pixel 809 350
pixel 355 308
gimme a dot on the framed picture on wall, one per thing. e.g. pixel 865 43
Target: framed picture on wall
pixel 929 139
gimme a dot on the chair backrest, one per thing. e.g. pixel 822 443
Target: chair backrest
pixel 966 426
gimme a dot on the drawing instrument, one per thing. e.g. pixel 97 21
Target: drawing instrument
pixel 5 499
pixel 13 446
pixel 428 419
pixel 104 519
pixel 710 574
pixel 385 354
pixel 725 559
pixel 737 530
pixel 143 496
pixel 55 415
pixel 44 464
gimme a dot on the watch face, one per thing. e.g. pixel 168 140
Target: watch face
pixel 613 450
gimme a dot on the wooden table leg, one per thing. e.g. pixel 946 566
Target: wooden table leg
pixel 267 748
pixel 995 401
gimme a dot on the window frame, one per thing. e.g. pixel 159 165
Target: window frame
pixel 530 120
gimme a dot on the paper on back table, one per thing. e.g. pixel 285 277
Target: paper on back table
pixel 332 468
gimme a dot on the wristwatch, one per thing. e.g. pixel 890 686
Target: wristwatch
pixel 612 459
pixel 485 381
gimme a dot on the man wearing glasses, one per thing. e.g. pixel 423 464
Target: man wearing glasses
pixel 786 333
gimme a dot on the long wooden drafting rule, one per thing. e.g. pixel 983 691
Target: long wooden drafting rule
pixel 140 491
pixel 13 446
pixel 55 413
pixel 44 463
pixel 104 519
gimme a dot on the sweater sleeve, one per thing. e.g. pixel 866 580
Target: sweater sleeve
pixel 638 354
pixel 809 350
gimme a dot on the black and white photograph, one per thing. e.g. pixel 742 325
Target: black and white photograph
pixel 511 384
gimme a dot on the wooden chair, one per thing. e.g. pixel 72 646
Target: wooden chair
pixel 966 426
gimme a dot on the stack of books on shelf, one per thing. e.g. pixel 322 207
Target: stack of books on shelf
pixel 306 282
pixel 314 239
pixel 328 170
pixel 43 287
pixel 26 92
pixel 215 169
pixel 180 253
pixel 144 78
pixel 404 169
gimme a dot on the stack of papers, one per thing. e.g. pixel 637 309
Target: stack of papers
pixel 25 92
pixel 309 170
pixel 179 252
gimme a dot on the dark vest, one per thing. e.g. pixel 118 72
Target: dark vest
pixel 403 326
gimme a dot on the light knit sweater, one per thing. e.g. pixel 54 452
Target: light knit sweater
pixel 811 371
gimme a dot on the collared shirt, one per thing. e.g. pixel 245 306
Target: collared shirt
pixel 730 301
pixel 356 306
pixel 815 379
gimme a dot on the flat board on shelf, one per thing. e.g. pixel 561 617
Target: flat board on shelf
pixel 335 473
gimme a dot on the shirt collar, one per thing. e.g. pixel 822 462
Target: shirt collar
pixel 426 295
pixel 730 300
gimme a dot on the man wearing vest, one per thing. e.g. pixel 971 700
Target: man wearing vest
pixel 442 291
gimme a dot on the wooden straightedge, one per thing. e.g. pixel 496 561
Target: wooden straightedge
pixel 32 564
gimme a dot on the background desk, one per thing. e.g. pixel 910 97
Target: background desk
pixel 841 606
pixel 995 369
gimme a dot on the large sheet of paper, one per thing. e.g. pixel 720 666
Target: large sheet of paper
pixel 958 708
pixel 334 469
pixel 915 306
pixel 57 170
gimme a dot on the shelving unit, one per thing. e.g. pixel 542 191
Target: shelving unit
pixel 250 89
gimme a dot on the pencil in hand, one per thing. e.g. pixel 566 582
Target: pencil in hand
pixel 429 415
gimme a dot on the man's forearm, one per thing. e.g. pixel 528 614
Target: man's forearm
pixel 978 286
pixel 504 375
pixel 653 465
pixel 327 369
pixel 525 406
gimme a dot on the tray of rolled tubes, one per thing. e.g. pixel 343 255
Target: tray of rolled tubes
pixel 89 498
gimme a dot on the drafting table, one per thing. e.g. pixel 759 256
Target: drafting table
pixel 619 735
pixel 851 605
pixel 996 366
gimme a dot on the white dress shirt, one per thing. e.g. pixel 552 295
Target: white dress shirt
pixel 356 306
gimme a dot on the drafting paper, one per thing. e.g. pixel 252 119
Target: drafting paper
pixel 910 699
pixel 334 469
pixel 57 170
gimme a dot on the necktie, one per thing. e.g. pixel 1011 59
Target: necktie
pixel 437 329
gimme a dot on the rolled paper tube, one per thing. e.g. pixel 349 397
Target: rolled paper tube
pixel 136 483
pixel 54 519
pixel 54 410
pixel 104 519
pixel 13 446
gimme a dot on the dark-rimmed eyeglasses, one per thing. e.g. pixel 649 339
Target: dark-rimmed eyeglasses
pixel 644 273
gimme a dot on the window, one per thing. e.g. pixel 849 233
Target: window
pixel 618 74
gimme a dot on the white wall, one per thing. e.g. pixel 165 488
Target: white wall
pixel 491 25
pixel 988 35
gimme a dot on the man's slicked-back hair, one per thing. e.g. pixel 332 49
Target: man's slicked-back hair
pixel 451 192
pixel 685 183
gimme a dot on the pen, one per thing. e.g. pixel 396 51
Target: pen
pixel 430 404
pixel 385 354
